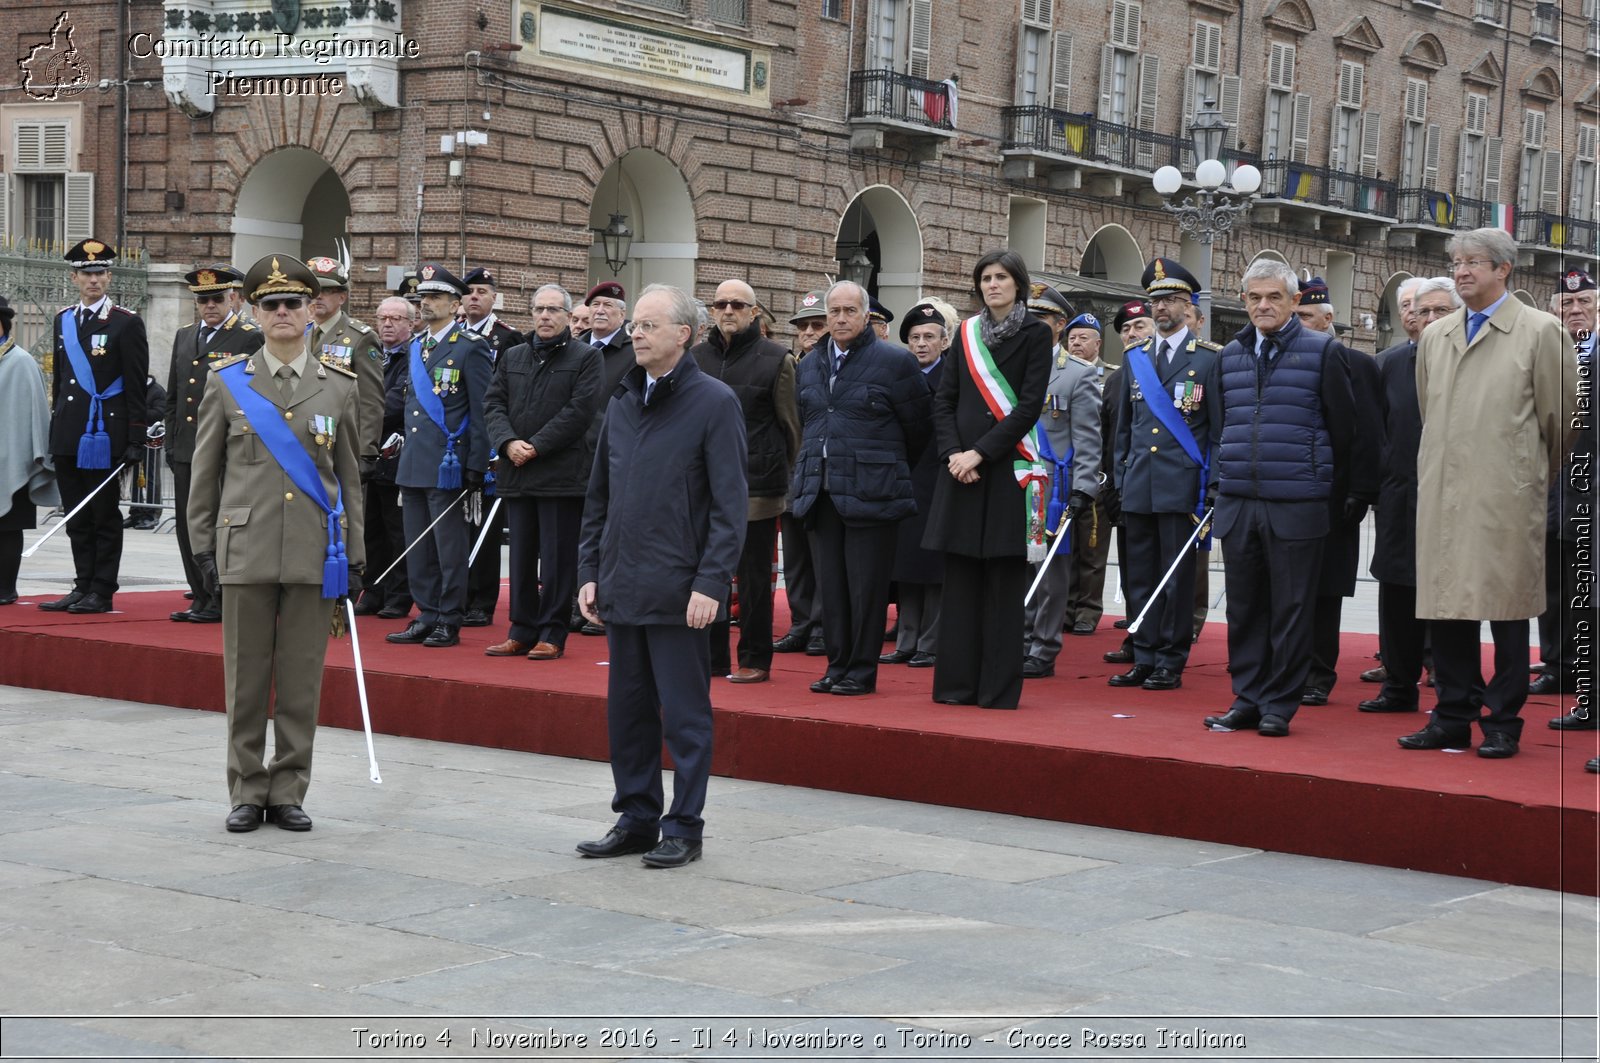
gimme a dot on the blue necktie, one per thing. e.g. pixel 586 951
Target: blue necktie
pixel 1474 323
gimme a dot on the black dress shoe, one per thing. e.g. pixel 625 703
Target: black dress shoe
pixel 180 617
pixel 923 660
pixel 1383 703
pixel 790 643
pixel 1548 684
pixel 1133 677
pixel 61 605
pixel 443 635
pixel 1497 745
pixel 849 688
pixel 823 685
pixel 672 852
pixel 90 603
pixel 1083 627
pixel 393 612
pixel 1163 679
pixel 1234 720
pixel 1375 675
pixel 205 616
pixel 1314 696
pixel 1122 625
pixel 1037 668
pixel 816 647
pixel 289 817
pixel 897 657
pixel 1434 737
pixel 414 633
pixel 590 628
pixel 1573 721
pixel 618 842
pixel 1592 766
pixel 476 618
pixel 1118 656
pixel 367 606
pixel 244 818
pixel 1272 726
pixel 8 599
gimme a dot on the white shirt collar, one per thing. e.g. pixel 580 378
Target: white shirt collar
pixel 297 366
pixel 99 305
pixel 602 341
pixel 1178 340
pixel 484 327
pixel 438 337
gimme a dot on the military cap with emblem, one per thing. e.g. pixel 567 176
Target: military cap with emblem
pixel 926 312
pixel 330 274
pixel 480 275
pixel 432 277
pixel 1044 299
pixel 407 288
pixel 1131 310
pixel 1314 292
pixel 811 305
pixel 279 275
pixel 1166 275
pixel 606 290
pixel 90 256
pixel 879 311
pixel 1576 280
pixel 210 279
pixel 1085 321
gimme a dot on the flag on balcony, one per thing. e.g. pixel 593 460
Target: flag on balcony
pixel 1555 232
pixel 1296 184
pixel 1441 208
pixel 1503 216
pixel 937 105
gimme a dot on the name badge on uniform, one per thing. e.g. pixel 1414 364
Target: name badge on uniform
pixel 322 430
pixel 97 344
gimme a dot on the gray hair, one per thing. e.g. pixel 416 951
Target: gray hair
pixel 702 317
pixel 866 300
pixel 1409 282
pixel 566 296
pixel 1496 243
pixel 411 310
pixel 1271 269
pixel 680 305
pixel 1429 285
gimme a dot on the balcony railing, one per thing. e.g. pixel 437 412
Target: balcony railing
pixel 896 97
pixel 1424 206
pixel 1542 229
pixel 1083 136
pixel 1316 186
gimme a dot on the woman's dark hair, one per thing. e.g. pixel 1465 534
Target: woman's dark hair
pixel 1009 261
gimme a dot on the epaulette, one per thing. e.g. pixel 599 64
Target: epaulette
pixel 247 326
pixel 341 370
pixel 1208 345
pixel 126 310
pixel 228 361
pixel 358 326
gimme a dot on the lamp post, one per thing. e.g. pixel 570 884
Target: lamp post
pixel 1213 208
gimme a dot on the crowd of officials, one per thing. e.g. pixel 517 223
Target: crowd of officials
pixel 645 462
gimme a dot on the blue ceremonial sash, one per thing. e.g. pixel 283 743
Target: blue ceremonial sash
pixel 1144 371
pixel 94 447
pixel 450 465
pixel 1060 484
pixel 287 450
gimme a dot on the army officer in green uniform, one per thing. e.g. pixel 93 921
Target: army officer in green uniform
pixel 275 518
pixel 341 341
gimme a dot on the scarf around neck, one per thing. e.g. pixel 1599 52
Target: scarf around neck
pixel 996 333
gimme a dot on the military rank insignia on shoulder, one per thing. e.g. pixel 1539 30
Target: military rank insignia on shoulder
pixel 229 360
pixel 247 326
pixel 359 326
pixel 341 370
pixel 1208 345
pixel 125 310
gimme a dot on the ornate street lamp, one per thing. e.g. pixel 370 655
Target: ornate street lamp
pixel 1213 208
pixel 858 267
pixel 618 240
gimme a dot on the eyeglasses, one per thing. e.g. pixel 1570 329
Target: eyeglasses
pixel 731 304
pixel 204 299
pixel 649 327
pixel 1432 311
pixel 550 310
pixel 1469 263
pixel 271 306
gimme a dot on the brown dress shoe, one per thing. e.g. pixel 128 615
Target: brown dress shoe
pixel 748 675
pixel 508 648
pixel 545 651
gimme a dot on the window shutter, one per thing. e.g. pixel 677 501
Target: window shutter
pixel 1149 100
pixel 1280 67
pixel 1351 79
pixel 79 208
pixel 1208 46
pixel 1036 12
pixel 42 147
pixel 1587 137
pixel 1232 86
pixel 1125 24
pixel 1493 149
pixel 1550 183
pixel 1190 104
pixel 1337 153
pixel 5 207
pixel 921 38
pixel 1583 205
pixel 1463 177
pixel 1416 100
pixel 1371 125
pixel 1300 132
pixel 1061 70
pixel 1430 156
pixel 1108 60
pixel 1477 112
pixel 1533 129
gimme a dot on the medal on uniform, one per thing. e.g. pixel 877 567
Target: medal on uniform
pixel 97 345
pixel 322 426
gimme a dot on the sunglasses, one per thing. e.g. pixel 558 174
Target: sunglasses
pixel 292 302
pixel 731 304
pixel 204 299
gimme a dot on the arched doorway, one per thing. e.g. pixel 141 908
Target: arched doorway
pixel 881 223
pixel 291 201
pixel 652 197
pixel 1114 255
pixel 1391 329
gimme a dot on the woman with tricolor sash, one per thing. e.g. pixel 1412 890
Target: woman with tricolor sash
pixel 988 512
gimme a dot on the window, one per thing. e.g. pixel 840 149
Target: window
pixel 42 202
pixel 1344 149
pixel 901 36
pixel 833 9
pixel 732 12
pixel 1286 133
pixel 1583 175
pixel 1419 151
pixel 1487 12
pixel 1543 26
pixel 1470 163
pixel 1530 174
pixel 41 198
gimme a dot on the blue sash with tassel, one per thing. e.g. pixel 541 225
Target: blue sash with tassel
pixel 450 465
pixel 94 447
pixel 1060 484
pixel 287 450
pixel 1161 405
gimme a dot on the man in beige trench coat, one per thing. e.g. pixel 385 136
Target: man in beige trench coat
pixel 1497 389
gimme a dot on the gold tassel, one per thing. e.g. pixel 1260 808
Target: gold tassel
pixel 1094 526
pixel 340 626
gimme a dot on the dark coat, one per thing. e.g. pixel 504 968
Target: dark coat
pixel 987 518
pixel 1154 473
pixel 877 413
pixel 396 374
pixel 617 359
pixel 913 563
pixel 186 379
pixel 502 337
pixel 127 355
pixel 1110 411
pixel 467 352
pixel 1357 480
pixel 754 368
pixel 1394 551
pixel 666 509
pixel 545 395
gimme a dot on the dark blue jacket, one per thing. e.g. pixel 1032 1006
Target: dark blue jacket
pixel 1286 424
pixel 877 413
pixel 667 498
pixel 464 352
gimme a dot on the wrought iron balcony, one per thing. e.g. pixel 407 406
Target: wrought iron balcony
pixel 915 111
pixel 1317 199
pixel 1070 135
pixel 1427 218
pixel 1559 233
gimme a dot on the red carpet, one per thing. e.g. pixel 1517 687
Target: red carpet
pixel 1077 751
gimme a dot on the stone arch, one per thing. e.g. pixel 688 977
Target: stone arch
pixel 1292 15
pixel 291 200
pixel 882 223
pixel 1424 50
pixel 1267 252
pixel 1389 326
pixel 1113 254
pixel 1542 83
pixel 652 195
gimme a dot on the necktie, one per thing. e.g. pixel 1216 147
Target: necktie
pixel 83 316
pixel 210 334
pixel 429 344
pixel 597 345
pixel 1474 323
pixel 649 389
pixel 1166 354
pixel 285 377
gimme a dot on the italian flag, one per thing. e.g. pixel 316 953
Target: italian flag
pixel 1504 216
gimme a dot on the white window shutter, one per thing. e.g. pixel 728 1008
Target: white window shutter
pixel 6 198
pixel 1036 12
pixel 1416 100
pixel 1207 50
pixel 79 207
pixel 1125 16
pixel 1493 150
pixel 1351 80
pixel 1336 151
pixel 1061 70
pixel 1108 61
pixel 1533 129
pixel 1300 132
pixel 1371 128
pixel 1583 187
pixel 1587 137
pixel 921 38
pixel 1232 86
pixel 1190 104
pixel 28 154
pixel 1430 156
pixel 1550 183
pixel 1477 112
pixel 1149 91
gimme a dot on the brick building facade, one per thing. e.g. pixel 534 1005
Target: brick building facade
pixel 775 140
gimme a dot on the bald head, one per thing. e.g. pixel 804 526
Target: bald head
pixel 733 308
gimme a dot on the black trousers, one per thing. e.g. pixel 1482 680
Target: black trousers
pixel 385 532
pixel 658 686
pixel 1464 698
pixel 483 577
pixel 1325 618
pixel 544 549
pixel 755 603
pixel 437 565
pixel 1561 649
pixel 1154 540
pixel 980 631
pixel 96 533
pixel 203 602
pixel 1271 585
pixel 799 579
pixel 853 567
pixel 1402 640
pixel 10 562
pixel 1086 603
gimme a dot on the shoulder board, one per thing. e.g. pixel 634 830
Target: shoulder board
pixel 341 370
pixel 247 326
pixel 359 326
pixel 230 360
pixel 125 310
pixel 1208 345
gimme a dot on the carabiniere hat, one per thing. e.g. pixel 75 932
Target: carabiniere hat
pixel 480 275
pixel 90 256
pixel 211 279
pixel 811 305
pixel 279 275
pixel 432 277
pixel 1044 299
